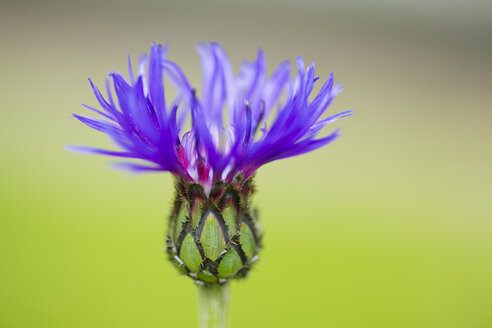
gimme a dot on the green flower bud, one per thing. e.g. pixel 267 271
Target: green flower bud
pixel 213 238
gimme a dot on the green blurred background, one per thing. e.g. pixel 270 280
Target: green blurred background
pixel 390 226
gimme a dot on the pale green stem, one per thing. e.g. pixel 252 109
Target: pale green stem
pixel 213 305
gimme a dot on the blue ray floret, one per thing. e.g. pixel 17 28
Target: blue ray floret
pixel 233 130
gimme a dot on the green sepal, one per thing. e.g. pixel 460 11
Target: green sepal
pixel 212 237
pixel 207 276
pixel 196 211
pixel 189 253
pixel 180 220
pixel 230 264
pixel 247 240
pixel 230 214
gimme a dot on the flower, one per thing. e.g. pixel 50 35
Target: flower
pixel 213 234
pixel 230 134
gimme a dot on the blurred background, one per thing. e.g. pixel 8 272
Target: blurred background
pixel 390 226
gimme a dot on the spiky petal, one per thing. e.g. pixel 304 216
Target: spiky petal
pixel 146 127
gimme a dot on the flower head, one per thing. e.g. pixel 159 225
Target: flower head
pixel 239 123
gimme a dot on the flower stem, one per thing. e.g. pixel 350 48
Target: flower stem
pixel 213 306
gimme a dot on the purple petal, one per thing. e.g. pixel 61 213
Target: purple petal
pixel 100 125
pixel 90 150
